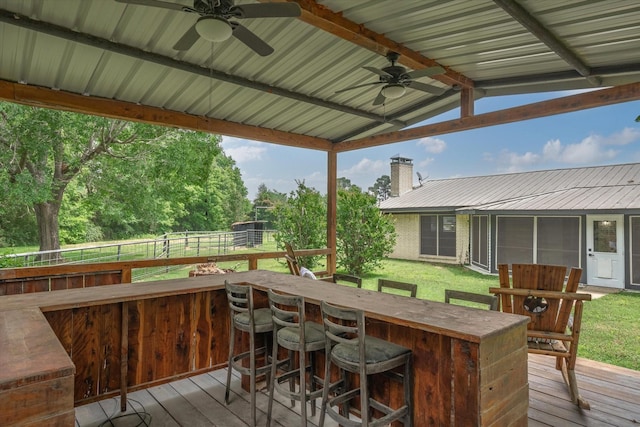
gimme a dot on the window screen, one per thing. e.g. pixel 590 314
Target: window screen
pixel 429 235
pixel 479 248
pixel 559 241
pixel 515 240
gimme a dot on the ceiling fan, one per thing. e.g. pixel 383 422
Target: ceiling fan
pixel 217 20
pixel 396 80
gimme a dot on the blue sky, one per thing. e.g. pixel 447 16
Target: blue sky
pixel 597 136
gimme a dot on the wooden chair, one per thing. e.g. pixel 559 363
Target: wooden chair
pixel 539 292
pixel 337 278
pixel 245 319
pixel 412 288
pixel 294 268
pixel 352 351
pixel 491 301
pixel 296 335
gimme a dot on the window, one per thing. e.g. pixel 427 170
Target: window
pixel 544 240
pixel 635 250
pixel 558 241
pixel 479 240
pixel 515 240
pixel 438 235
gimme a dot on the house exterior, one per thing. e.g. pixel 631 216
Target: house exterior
pixel 583 217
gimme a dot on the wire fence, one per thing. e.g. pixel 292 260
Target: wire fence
pixel 168 245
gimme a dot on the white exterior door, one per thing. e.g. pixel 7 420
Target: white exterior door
pixel 605 251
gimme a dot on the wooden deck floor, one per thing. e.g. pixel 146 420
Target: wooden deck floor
pixel 613 392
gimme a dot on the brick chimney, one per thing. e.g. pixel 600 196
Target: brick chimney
pixel 401 175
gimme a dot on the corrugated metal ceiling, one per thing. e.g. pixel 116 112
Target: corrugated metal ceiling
pixel 111 50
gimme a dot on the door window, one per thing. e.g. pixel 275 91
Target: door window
pixel 604 236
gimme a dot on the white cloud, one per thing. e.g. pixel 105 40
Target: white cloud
pixel 432 145
pixel 590 150
pixel 242 150
pixel 366 167
pixel 514 162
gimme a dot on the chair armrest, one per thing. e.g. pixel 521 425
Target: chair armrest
pixel 541 293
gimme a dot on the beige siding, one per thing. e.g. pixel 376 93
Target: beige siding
pixel 408 240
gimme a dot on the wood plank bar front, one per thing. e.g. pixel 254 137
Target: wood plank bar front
pixel 470 366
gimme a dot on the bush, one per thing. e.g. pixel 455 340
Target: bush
pixel 364 234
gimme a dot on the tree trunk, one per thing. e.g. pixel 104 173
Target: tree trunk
pixel 49 230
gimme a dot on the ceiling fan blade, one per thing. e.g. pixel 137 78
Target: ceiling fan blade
pixel 425 72
pixel 155 3
pixel 379 99
pixel 359 86
pixel 254 42
pixel 427 88
pixel 377 71
pixel 188 39
pixel 266 10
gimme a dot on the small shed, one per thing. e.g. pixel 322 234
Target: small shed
pixel 253 235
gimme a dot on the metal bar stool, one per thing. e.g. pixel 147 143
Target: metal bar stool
pixel 245 318
pixel 352 351
pixel 288 313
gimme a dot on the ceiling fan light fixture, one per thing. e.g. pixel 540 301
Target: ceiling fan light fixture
pixel 393 91
pixel 213 28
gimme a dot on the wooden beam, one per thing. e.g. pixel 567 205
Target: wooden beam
pixel 325 19
pixel 567 104
pixel 466 102
pixel 535 27
pixel 61 100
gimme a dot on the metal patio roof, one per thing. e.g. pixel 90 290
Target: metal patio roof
pixel 116 59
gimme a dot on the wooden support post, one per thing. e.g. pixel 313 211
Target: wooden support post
pixel 124 355
pixel 332 198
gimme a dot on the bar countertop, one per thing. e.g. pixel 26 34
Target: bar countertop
pixel 450 320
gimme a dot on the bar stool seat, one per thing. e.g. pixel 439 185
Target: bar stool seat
pixel 245 318
pixel 352 351
pixel 295 334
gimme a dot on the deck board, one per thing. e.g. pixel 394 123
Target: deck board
pixel 199 400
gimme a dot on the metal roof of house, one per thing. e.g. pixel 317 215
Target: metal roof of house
pixel 88 55
pixel 600 188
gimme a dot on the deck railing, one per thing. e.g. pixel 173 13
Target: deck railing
pixel 68 276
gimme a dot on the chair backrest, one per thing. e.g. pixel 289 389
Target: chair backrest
pixel 491 301
pixel 412 288
pixel 343 325
pixel 286 310
pixel 337 278
pixel 240 298
pixel 545 298
pixel 294 268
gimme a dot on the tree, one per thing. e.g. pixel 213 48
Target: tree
pixel 264 204
pixel 345 184
pixel 302 221
pixel 382 188
pixel 113 177
pixel 364 234
pixel 43 150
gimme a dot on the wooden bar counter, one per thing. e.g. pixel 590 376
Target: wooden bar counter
pixel 470 366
